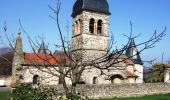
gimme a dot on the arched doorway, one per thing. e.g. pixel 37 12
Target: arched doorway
pixel 117 79
pixel 36 79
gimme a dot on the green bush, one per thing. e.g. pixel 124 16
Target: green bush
pixel 74 96
pixel 27 92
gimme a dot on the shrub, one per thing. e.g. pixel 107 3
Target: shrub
pixel 27 92
pixel 74 96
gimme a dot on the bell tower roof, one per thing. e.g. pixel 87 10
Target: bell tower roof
pixel 43 49
pixel 18 44
pixel 100 6
pixel 132 52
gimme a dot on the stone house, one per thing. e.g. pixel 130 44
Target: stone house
pixel 90 38
pixel 167 74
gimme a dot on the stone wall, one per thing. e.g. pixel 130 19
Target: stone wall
pixel 125 90
pixel 29 72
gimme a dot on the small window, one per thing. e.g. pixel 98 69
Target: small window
pixel 21 77
pixel 91 26
pixel 94 80
pixel 78 27
pixel 99 27
pixel 36 79
pixel 75 27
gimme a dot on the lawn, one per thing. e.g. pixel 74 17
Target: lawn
pixel 5 95
pixel 152 97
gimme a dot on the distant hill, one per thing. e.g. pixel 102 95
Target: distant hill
pixel 5 50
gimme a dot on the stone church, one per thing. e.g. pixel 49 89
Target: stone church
pixel 90 36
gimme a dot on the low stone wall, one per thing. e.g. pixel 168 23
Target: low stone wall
pixel 125 90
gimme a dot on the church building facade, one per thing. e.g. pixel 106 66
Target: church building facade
pixel 90 38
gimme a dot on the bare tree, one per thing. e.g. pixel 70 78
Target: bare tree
pixel 6 57
pixel 69 65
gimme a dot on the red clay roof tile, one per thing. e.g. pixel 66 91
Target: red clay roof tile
pixel 42 59
pixel 168 65
pixel 128 62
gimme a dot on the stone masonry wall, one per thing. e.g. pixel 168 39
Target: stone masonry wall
pixel 125 90
pixel 90 45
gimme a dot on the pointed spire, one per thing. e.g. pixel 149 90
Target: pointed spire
pixel 19 33
pixel 43 48
pixel 17 61
pixel 18 45
pixel 132 52
pixel 131 31
pixel 18 55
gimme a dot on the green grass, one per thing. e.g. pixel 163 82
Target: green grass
pixel 151 97
pixel 5 95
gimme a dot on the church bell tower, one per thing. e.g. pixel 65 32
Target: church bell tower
pixel 90 38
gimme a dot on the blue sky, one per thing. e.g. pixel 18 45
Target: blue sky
pixel 147 15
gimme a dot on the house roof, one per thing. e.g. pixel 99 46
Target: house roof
pixel 167 65
pixel 42 59
pixel 124 58
pixel 47 59
pixel 100 6
pixel 128 62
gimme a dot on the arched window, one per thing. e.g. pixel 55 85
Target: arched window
pixel 75 27
pixel 94 80
pixel 36 79
pixel 99 27
pixel 78 27
pixel 116 79
pixel 91 26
